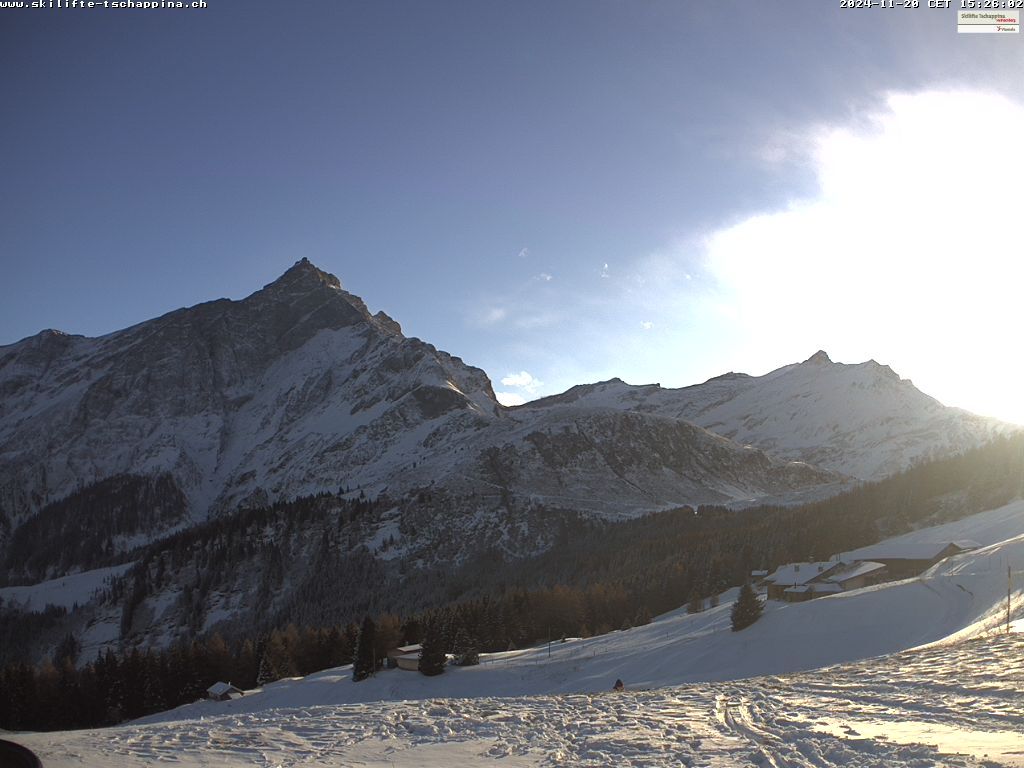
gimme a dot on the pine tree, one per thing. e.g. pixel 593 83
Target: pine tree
pixel 67 649
pixel 747 608
pixel 696 603
pixel 276 661
pixel 466 650
pixel 364 662
pixel 349 641
pixel 433 656
pixel 246 666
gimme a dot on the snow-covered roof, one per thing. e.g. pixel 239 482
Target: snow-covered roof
pixel 800 573
pixel 219 689
pixel 853 570
pixel 967 544
pixel 758 574
pixel 404 650
pixel 909 550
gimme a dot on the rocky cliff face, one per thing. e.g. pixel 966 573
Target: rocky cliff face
pixel 294 388
pixel 862 421
pixel 108 445
pixel 298 389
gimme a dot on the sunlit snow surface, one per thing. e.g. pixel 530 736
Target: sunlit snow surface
pixel 888 712
pixel 960 691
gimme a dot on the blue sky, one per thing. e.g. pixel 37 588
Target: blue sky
pixel 556 192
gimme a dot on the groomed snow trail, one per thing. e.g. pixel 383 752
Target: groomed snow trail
pixel 860 714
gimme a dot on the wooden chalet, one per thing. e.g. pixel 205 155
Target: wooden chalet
pixel 904 560
pixel 861 573
pixel 797 582
pixel 223 692
pixel 405 657
pixel 791 582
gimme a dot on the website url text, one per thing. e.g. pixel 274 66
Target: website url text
pixel 102 4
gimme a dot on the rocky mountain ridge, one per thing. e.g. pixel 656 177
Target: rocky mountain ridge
pixel 221 395
pixel 862 421
pixel 175 443
pixel 298 388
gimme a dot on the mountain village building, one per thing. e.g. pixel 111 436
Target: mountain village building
pixel 223 692
pixel 797 582
pixel 405 657
pixel 908 559
pixel 860 573
pixel 791 582
pixel 891 561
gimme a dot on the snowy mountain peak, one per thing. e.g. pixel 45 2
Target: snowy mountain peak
pixel 306 291
pixel 304 274
pixel 861 420
pixel 387 323
pixel 730 376
pixel 298 388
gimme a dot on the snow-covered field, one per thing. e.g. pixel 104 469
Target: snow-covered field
pixel 63 592
pixel 828 683
pixel 917 708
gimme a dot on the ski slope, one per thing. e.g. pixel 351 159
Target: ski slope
pixel 697 693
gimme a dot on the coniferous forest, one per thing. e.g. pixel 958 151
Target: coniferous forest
pixel 593 577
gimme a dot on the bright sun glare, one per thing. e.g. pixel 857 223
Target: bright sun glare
pixel 910 253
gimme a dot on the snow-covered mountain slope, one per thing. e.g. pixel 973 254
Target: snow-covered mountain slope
pixel 298 389
pixel 616 464
pixel 859 420
pixel 65 592
pixel 954 701
pixel 293 388
pixel 962 596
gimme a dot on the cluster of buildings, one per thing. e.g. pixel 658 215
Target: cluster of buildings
pixel 796 582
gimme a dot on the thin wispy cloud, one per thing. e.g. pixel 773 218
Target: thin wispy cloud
pixel 492 315
pixel 524 381
pixel 536 318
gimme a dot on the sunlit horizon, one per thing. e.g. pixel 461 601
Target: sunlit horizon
pixel 906 254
